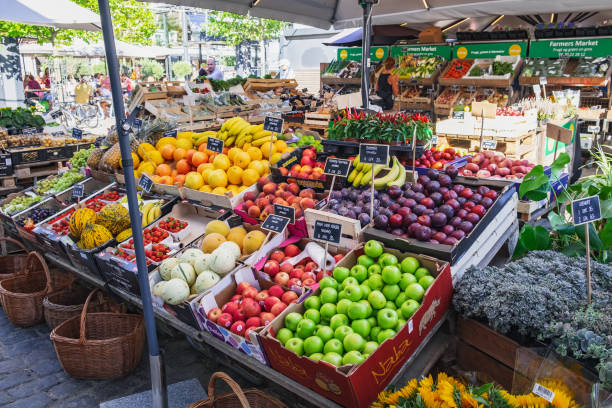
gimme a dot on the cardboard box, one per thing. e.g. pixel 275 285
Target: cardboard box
pixel 358 386
pixel 431 34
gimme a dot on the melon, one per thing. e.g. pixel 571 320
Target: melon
pixel 185 272
pixel 212 242
pixel 220 227
pixel 165 269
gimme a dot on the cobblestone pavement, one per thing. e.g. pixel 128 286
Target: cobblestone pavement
pixel 31 376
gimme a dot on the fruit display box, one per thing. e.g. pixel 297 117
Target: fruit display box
pixel 527 207
pixel 358 386
pixel 303 168
pixel 458 163
pixel 351 228
pixel 228 200
pixel 452 253
pixel 223 294
pixel 345 149
pixel 123 274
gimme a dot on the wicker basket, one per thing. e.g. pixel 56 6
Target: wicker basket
pixel 62 305
pixel 99 345
pixel 23 294
pixel 250 398
pixel 11 265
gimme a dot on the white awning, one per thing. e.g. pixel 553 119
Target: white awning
pixel 80 48
pixel 51 13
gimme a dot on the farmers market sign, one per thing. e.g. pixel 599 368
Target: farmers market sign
pixel 422 50
pixel 490 49
pixel 574 47
pixel 354 54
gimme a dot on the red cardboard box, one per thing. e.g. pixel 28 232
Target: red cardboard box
pixel 358 386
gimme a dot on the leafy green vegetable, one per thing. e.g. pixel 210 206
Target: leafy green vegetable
pixel 20 118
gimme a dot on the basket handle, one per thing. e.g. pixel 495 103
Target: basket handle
pixel 33 257
pixel 14 241
pixel 233 385
pixel 84 316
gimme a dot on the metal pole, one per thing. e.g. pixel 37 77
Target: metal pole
pixel 365 56
pixel 160 398
pixel 185 40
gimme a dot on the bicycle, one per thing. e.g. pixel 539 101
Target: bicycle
pixel 79 115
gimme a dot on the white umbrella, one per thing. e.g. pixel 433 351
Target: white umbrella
pixel 51 13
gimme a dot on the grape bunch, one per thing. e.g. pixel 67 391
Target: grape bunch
pixel 79 158
pixel 20 203
pixel 60 183
pixel 36 215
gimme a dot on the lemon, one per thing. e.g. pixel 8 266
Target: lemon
pixel 258 166
pixel 222 162
pixel 276 157
pixel 265 149
pixel 249 177
pixel 217 178
pixel 234 175
pixel 280 145
pixel 184 144
pixel 206 188
pixel 219 190
pixel 242 160
pixel 254 152
pixel 232 153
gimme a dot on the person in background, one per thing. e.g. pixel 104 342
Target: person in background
pixel 32 83
pixel 104 91
pixel 150 79
pixel 83 92
pixel 46 80
pixel 285 70
pixel 126 85
pixel 136 74
pixel 212 71
pixel 387 85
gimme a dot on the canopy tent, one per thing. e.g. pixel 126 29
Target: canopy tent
pixel 80 48
pixel 56 13
pixel 381 35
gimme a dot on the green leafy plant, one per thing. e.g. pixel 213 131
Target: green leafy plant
pixel 181 69
pixel 99 68
pixel 151 68
pixel 20 118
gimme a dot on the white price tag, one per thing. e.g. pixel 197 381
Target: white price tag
pixel 410 326
pixel 543 392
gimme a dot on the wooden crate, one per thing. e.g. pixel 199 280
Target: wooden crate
pixel 264 85
pixel 320 119
pixel 518 146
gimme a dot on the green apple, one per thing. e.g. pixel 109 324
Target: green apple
pixel 365 260
pixel 284 334
pixel 357 310
pixel 353 357
pixel 365 290
pixel 305 328
pixel 361 326
pixel 407 279
pixel 327 311
pixel 353 341
pixel 387 318
pixel 368 307
pixel 399 300
pixel 353 292
pixel 385 334
pixel 415 291
pixel 421 272
pixel 313 314
pixel 409 265
pixel 329 295
pixel 370 347
pixel 372 320
pixel 426 281
pixel 374 333
pixel 313 344
pixel 391 291
pixel 340 273
pixel 296 345
pixel 333 358
pixel 315 356
pixel 375 282
pixel 350 281
pixel 359 272
pixel 409 307
pixel 342 306
pixel 328 282
pixel 390 305
pixel 312 302
pixel 292 320
pixel 373 248
pixel 325 333
pixel 342 294
pixel 341 332
pixel 333 346
pixel 400 323
pixel 391 274
pixel 374 270
pixel 377 299
pixel 387 259
pixel 338 320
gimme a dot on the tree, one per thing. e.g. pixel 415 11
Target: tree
pixel 133 21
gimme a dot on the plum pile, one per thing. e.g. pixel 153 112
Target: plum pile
pixel 434 209
pixel 36 215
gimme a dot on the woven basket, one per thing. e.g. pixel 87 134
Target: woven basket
pixel 250 398
pixel 99 345
pixel 62 305
pixel 23 294
pixel 11 265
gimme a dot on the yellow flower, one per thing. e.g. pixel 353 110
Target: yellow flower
pixel 446 392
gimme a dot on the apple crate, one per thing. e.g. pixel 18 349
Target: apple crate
pixel 221 294
pixel 358 386
pixel 227 201
pixel 458 163
pixel 351 228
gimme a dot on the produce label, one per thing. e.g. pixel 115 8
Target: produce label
pixel 570 47
pixel 77 190
pixel 29 131
pixel 275 223
pixel 6 165
pixel 593 129
pixel 354 54
pixel 490 49
pixel 327 231
pixel 137 125
pixel 77 133
pixel 489 144
pixel 586 210
pixel 374 154
pixel 216 145
pixel 421 50
pixel 145 183
pixel 285 211
pixel 543 392
pixel 293 158
pixel 274 125
pixel 337 167
pixel 170 133
pixel 459 115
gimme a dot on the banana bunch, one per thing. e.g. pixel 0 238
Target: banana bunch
pixel 150 212
pixel 199 138
pixel 361 175
pixel 237 131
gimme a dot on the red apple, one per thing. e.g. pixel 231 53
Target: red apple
pixel 266 318
pixel 230 307
pixel 225 320
pixel 247 332
pixel 241 287
pixel 239 315
pixel 278 308
pixel 271 267
pixel 294 282
pixel 281 278
pixel 292 250
pixel 286 267
pixel 251 307
pixel 310 266
pixel 309 275
pixel 214 314
pixel 289 296
pixel 277 255
pixel 276 290
pixel 254 321
pixel 238 327
pixel 262 296
pixel 338 257
pixel 270 302
pixel 308 282
pixel 236 299
pixel 250 292
pixel 296 274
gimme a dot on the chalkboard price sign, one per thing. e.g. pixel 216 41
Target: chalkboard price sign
pixel 374 153
pixel 458 115
pixel 77 191
pixel 77 133
pixel 327 231
pixel 29 131
pixel 170 133
pixel 145 183
pixel 586 210
pixel 272 124
pixel 337 167
pixel 215 145
pixel 285 211
pixel 275 223
pixel 137 124
pixel 290 160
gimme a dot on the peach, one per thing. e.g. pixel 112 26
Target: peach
pixel 248 204
pixel 254 211
pixel 307 202
pixel 308 192
pixel 283 186
pixel 284 171
pixel 303 175
pixel 249 195
pixel 262 182
pixel 269 188
pixel 294 188
pixel 306 169
pixel 280 201
pixel 268 209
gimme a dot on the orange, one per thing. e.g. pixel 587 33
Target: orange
pixel 242 159
pixel 179 180
pixel 167 152
pixel 202 147
pixel 179 153
pixel 217 178
pixel 183 166
pixel 174 173
pixel 234 175
pixel 221 162
pixel 201 167
pixel 198 158
pixel 190 154
pixel 184 143
pixel 249 177
pixel 166 180
pixel 225 150
pixel 163 169
pixel 155 178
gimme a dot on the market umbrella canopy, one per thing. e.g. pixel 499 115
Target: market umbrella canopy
pixel 51 13
pixel 381 35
